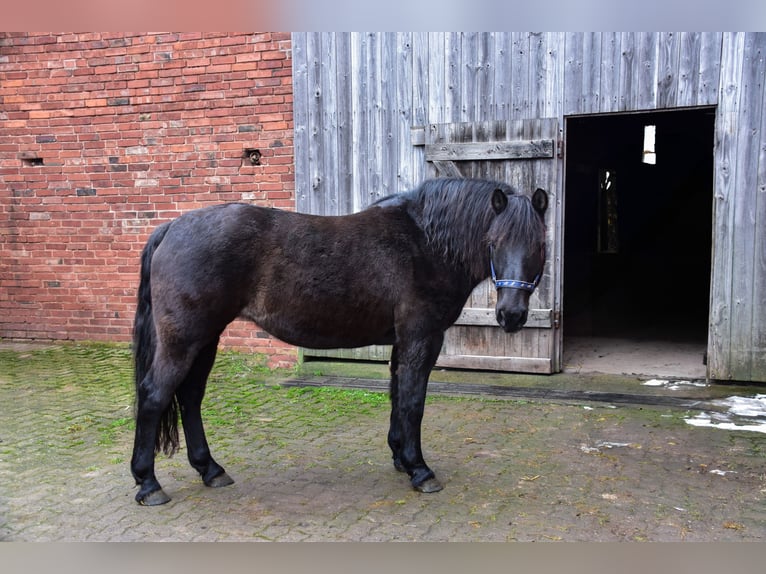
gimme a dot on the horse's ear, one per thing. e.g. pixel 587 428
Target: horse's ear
pixel 540 201
pixel 499 200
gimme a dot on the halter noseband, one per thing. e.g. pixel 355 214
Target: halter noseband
pixel 511 283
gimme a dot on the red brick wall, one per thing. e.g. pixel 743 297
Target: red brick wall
pixel 131 130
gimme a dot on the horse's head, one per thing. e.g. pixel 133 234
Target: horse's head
pixel 517 254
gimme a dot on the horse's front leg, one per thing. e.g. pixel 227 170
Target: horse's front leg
pixel 412 361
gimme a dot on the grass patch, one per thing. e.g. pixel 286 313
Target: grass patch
pixel 338 401
pixel 109 433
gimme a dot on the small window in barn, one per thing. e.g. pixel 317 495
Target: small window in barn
pixel 649 155
pixel 608 236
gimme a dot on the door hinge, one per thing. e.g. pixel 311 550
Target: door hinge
pixel 557 319
pixel 560 149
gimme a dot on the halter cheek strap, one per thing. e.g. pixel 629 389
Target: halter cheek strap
pixel 511 283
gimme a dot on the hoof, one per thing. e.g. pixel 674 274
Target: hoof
pixel 219 481
pixel 154 498
pixel 430 485
pixel 398 465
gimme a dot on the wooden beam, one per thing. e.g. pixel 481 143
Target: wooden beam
pixel 508 364
pixel 479 151
pixel 447 169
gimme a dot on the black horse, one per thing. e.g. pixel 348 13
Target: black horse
pixel 397 273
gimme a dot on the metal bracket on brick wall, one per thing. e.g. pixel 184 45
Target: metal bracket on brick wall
pixel 252 155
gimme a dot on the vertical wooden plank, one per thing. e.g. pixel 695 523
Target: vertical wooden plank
pixel 758 339
pixel 485 75
pixel 543 174
pixel 646 68
pixel 610 72
pixel 451 67
pixel 389 167
pixel 464 132
pixel 727 127
pixel 515 176
pixel 528 183
pixel 550 102
pixel 502 82
pixel 479 133
pixel 573 73
pixel 555 231
pixel 538 76
pixel 506 170
pixel 468 77
pixel 300 119
pixel 420 71
pixel 344 112
pixel 497 132
pixel 521 71
pixel 591 69
pixel 327 190
pixel 375 127
pixel 550 296
pixel 438 90
pixel 420 75
pixel 628 97
pixel 360 118
pixel 709 68
pixel 669 53
pixel 689 68
pixel 404 111
pixel 314 193
pixel 536 174
pixel 553 100
pixel 745 310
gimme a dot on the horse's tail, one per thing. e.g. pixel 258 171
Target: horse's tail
pixel 145 343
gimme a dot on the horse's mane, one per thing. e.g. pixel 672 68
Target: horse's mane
pixel 459 222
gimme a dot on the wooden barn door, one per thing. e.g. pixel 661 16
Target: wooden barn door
pixel 523 154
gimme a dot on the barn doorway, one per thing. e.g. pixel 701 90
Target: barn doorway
pixel 637 242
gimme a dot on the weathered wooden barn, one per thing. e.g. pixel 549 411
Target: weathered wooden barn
pixel 651 147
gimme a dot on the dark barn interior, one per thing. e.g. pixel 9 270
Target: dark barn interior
pixel 638 226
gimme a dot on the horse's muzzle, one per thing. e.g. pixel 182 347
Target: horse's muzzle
pixel 511 321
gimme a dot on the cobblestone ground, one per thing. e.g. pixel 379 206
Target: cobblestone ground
pixel 313 465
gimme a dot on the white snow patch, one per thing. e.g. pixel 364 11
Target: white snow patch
pixel 607 444
pixel 740 414
pixel 656 383
pixel 720 472
pixel 673 385
pixel 603 444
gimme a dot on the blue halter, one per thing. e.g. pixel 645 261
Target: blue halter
pixel 511 283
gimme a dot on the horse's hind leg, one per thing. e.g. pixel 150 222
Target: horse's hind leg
pixel 190 395
pixel 154 403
